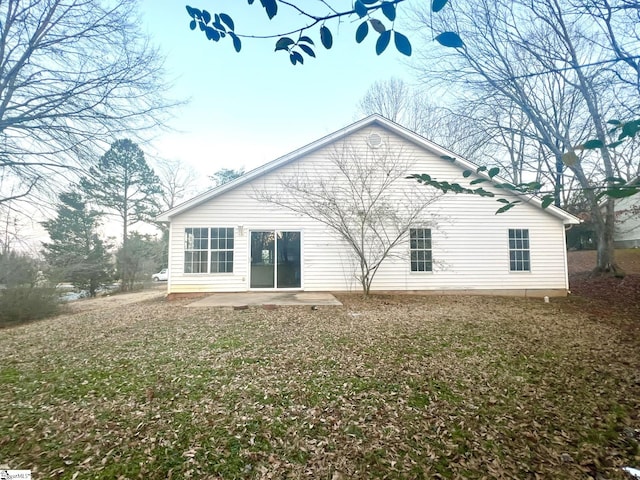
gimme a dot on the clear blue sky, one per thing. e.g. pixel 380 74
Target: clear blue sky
pixel 248 108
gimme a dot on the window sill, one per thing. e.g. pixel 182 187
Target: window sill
pixel 206 274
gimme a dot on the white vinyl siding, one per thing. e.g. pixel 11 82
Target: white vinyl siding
pixel 627 229
pixel 469 249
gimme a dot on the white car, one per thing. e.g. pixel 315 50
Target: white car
pixel 161 276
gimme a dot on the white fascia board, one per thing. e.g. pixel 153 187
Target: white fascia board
pixel 566 217
pixel 263 169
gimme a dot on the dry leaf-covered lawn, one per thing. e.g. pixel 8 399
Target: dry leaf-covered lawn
pixel 394 387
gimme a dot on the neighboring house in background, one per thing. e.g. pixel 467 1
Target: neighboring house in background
pixel 228 240
pixel 627 232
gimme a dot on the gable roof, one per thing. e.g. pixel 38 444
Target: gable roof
pixel 372 120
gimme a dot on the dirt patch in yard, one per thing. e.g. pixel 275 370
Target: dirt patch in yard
pixel 604 295
pixel 585 260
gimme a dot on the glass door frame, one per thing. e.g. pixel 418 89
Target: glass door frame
pixel 275 288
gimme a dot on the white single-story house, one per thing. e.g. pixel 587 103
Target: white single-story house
pixel 627 230
pixel 254 233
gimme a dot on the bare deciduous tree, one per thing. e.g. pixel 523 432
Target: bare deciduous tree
pixel 396 100
pixel 363 195
pixel 482 131
pixel 177 180
pixel 532 55
pixel 73 75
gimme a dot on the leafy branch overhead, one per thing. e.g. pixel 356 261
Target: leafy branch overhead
pixel 373 16
pixel 485 175
pixel 615 187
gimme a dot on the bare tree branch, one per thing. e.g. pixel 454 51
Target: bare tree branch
pixel 363 195
pixel 74 74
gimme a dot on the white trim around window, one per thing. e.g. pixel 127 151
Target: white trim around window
pixel 208 250
pixel 519 250
pixel 421 254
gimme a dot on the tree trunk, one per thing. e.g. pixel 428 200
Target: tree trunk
pixel 123 258
pixel 558 186
pixel 606 262
pixel 366 284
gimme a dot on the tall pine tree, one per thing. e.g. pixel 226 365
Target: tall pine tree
pixel 76 251
pixel 123 183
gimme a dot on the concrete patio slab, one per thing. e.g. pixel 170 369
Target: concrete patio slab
pixel 265 298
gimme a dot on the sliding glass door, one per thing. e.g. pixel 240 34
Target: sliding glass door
pixel 275 259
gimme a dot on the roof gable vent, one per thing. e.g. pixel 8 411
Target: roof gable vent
pixel 374 140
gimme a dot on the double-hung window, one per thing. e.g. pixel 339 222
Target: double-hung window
pixel 208 250
pixel 519 252
pixel 221 250
pixel 420 248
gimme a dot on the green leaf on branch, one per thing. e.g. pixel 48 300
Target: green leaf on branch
pixel 593 144
pixel 377 25
pixel 529 186
pixel 621 192
pixel 217 24
pixel 477 181
pixel 389 10
pixel 295 57
pixel 547 200
pixel 284 43
pixel 483 193
pixel 383 41
pixel 362 31
pixel 507 207
pixel 614 122
pixel 192 24
pixel 271 6
pixel 360 9
pixel 467 173
pixel 206 16
pixel 629 129
pixel 306 39
pixel 307 49
pixel 481 168
pixel 212 34
pixel 325 37
pixel 226 19
pixel 618 180
pixel 402 43
pixel 450 39
pixel 493 172
pixel 615 144
pixel 237 45
pixel 448 158
pixel 438 5
pixel 193 12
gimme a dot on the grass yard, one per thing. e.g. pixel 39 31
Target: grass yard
pixel 394 387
